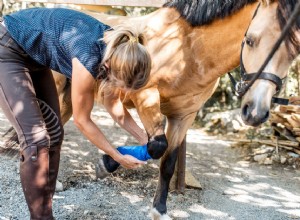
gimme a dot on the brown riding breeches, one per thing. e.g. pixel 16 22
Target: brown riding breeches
pixel 25 87
pixel 28 98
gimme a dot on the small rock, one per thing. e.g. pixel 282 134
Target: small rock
pixel 268 161
pixel 86 212
pixel 59 186
pixel 148 185
pixel 264 149
pixel 260 158
pixel 282 160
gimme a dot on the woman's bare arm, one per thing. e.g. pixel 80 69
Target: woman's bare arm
pixel 83 102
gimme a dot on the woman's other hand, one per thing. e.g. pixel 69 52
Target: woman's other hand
pixel 130 162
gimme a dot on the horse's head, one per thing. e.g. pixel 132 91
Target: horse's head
pixel 261 36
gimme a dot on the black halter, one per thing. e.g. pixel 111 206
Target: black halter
pixel 247 79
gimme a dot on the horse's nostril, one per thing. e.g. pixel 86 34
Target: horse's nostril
pixel 266 116
pixel 245 110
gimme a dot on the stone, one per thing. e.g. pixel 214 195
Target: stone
pixel 260 157
pixel 282 160
pixel 59 186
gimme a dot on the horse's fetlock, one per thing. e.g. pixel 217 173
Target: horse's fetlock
pixel 157 146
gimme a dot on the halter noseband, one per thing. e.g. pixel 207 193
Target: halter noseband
pixel 247 79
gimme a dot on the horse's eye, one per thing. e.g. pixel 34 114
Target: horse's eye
pixel 249 41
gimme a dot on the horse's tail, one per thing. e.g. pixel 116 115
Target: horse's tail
pixel 11 144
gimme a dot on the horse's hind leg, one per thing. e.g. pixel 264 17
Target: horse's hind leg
pixel 63 86
pixel 176 130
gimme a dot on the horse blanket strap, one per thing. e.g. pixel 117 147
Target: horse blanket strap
pixel 267 76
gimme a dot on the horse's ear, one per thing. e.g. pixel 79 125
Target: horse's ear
pixel 266 2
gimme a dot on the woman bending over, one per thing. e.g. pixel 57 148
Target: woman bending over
pixel 34 41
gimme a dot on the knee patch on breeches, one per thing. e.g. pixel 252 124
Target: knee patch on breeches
pixel 53 124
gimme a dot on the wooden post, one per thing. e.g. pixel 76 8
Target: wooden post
pixel 181 167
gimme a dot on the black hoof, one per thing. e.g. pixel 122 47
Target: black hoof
pixel 105 166
pixel 101 171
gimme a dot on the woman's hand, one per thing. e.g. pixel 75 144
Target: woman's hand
pixel 130 162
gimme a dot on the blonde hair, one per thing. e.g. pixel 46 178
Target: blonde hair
pixel 128 61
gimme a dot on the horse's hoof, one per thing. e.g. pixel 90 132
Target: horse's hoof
pixel 101 171
pixel 155 215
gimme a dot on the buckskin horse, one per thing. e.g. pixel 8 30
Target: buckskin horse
pixel 264 30
pixel 192 43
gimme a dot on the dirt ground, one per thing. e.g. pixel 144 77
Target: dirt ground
pixel 233 186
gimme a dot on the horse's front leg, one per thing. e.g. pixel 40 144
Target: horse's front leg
pixel 176 130
pixel 147 102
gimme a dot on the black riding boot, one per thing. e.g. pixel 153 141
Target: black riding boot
pixel 34 172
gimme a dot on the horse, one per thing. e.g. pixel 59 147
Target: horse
pixel 192 43
pixel 264 30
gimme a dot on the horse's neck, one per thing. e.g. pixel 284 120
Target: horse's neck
pixel 185 57
pixel 217 46
pixel 202 53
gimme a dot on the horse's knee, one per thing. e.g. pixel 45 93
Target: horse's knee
pixel 157 146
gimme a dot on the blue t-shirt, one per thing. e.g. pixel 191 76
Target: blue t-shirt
pixel 53 37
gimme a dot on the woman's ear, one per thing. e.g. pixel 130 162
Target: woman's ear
pixel 106 64
pixel 103 72
pixel 266 2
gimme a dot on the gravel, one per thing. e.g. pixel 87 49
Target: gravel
pixel 233 186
